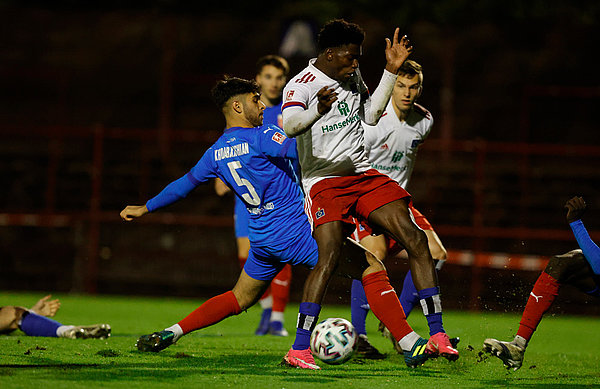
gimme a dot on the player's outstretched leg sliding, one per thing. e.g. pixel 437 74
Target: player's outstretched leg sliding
pixel 156 341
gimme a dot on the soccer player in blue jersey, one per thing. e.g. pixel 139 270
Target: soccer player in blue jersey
pixel 271 74
pixel 255 161
pixel 578 268
pixel 36 322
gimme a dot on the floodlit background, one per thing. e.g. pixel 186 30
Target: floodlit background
pixel 103 104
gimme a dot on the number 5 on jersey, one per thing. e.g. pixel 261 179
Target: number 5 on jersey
pixel 251 197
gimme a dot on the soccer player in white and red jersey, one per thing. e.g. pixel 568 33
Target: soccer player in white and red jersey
pixel 323 107
pixel 392 147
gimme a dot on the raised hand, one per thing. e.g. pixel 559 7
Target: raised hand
pixel 575 209
pixel 396 52
pixel 132 211
pixel 46 307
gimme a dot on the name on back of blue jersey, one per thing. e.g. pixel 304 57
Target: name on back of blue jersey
pixel 231 151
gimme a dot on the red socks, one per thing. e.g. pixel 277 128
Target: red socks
pixel 280 288
pixel 384 303
pixel 541 298
pixel 211 312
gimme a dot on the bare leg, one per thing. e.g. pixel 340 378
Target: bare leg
pixel 9 318
pixel 395 220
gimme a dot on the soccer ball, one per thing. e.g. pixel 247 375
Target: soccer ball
pixel 334 341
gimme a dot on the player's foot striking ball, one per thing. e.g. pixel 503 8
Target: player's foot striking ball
pixel 156 341
pixel 510 353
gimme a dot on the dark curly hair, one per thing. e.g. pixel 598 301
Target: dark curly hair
pixel 229 87
pixel 338 32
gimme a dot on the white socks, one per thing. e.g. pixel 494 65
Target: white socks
pixel 409 341
pixel 175 329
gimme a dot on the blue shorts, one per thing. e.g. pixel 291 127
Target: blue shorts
pixel 264 263
pixel 240 218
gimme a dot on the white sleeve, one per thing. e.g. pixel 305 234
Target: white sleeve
pixel 297 120
pixel 375 105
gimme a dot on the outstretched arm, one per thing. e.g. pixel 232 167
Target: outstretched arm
pixel 396 52
pixel 173 192
pixel 575 210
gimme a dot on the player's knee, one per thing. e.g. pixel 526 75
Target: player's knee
pixel 439 253
pixel 416 243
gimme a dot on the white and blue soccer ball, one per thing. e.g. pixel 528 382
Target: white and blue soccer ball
pixel 334 341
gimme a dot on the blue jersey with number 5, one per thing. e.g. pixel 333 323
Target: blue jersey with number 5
pixel 256 164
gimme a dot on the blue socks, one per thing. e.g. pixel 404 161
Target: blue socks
pixel 33 324
pixel 409 296
pixel 432 309
pixel 359 307
pixel 307 320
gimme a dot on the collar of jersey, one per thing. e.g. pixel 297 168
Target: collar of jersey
pixel 231 129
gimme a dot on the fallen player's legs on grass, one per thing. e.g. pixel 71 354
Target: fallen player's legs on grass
pixel 395 221
pixel 35 322
pixel 244 294
pixel 335 250
pixel 568 269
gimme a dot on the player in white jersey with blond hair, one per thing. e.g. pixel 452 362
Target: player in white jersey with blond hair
pixel 324 106
pixel 392 146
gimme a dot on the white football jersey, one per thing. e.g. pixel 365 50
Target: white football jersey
pixel 334 146
pixel 392 144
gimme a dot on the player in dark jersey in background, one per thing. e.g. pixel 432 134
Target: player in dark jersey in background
pixel 578 268
pixel 271 75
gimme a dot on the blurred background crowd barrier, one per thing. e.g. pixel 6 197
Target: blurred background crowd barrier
pixel 103 105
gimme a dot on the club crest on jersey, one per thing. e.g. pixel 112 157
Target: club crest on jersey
pixel 397 156
pixel 320 213
pixel 278 137
pixel 343 108
pixel 289 95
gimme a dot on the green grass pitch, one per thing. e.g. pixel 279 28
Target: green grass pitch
pixel 563 352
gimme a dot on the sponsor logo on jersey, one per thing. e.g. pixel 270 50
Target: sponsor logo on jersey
pixel 383 168
pixel 231 151
pixel 332 127
pixel 397 156
pixel 320 213
pixel 343 108
pixel 278 137
pixel 259 210
pixel 385 147
pixel 289 95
